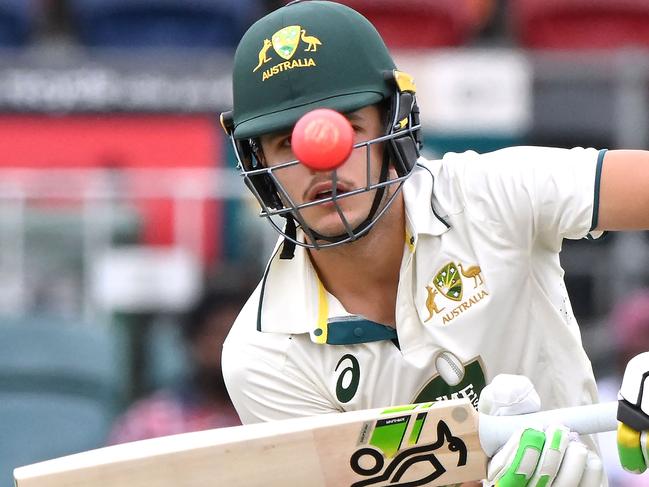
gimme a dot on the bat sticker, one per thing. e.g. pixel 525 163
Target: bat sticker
pixel 406 459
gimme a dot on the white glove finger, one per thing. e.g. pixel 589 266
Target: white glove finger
pixel 593 472
pixel 556 442
pixel 573 465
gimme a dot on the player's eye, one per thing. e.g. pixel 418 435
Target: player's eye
pixel 285 142
pixel 361 133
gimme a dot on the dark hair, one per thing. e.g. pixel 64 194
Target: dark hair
pixel 210 303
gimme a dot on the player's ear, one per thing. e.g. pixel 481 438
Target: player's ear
pixel 385 112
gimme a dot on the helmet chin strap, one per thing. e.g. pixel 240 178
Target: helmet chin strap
pixel 288 247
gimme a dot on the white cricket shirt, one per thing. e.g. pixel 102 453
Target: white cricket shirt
pixel 481 292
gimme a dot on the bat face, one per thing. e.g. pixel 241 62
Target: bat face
pixel 424 444
pixel 421 444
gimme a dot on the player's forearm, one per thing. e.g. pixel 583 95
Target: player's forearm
pixel 624 191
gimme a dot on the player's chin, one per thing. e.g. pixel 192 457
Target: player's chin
pixel 334 219
pixel 330 223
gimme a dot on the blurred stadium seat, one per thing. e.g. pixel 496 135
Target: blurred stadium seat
pixel 60 387
pixel 17 18
pixel 162 23
pixel 580 24
pixel 416 24
pixel 166 355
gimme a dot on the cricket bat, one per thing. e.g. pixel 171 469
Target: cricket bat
pixel 432 444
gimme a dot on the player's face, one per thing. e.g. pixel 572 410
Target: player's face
pixel 305 185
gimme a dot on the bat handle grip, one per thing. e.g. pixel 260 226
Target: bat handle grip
pixel 494 431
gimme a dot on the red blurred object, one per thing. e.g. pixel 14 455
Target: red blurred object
pixel 322 139
pixel 580 24
pixel 417 24
pixel 122 142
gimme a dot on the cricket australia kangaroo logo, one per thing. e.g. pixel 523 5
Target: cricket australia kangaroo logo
pixel 285 43
pixel 450 284
pixel 401 450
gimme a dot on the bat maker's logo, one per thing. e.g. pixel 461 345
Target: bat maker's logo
pixel 449 282
pixel 386 440
pixel 285 43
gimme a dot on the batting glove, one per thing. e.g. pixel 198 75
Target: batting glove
pixel 536 456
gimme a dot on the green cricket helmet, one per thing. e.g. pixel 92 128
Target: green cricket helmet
pixel 317 54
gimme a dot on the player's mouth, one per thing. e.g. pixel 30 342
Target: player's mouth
pixel 324 190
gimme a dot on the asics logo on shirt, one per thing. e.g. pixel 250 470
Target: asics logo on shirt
pixel 348 379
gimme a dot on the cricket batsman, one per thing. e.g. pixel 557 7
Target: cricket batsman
pixel 398 279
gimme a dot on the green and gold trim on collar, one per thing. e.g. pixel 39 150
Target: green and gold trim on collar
pixel 346 330
pixel 411 241
pixel 320 333
pixel 313 316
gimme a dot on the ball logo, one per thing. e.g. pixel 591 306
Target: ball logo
pixel 322 130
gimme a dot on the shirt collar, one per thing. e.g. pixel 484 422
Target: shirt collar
pixel 424 215
pixel 293 300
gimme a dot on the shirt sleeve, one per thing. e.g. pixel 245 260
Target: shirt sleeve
pixel 536 194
